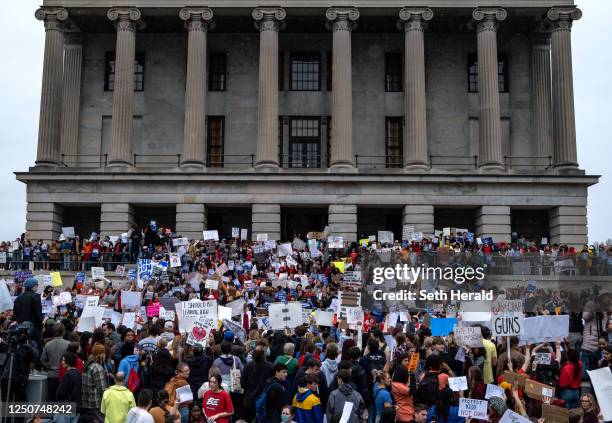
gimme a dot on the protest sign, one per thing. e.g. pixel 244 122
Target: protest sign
pixel 175 260
pixel 507 317
pixel 335 242
pixel 129 320
pixel 68 231
pixel 86 324
pixel 512 417
pixel 120 270
pixel 168 302
pixel 538 390
pixel 494 391
pixel 474 408
pixel 442 326
pixel 407 231
pixel 545 329
pixel 354 315
pixel 555 414
pixel 468 336
pixel 210 235
pixel 262 237
pixel 601 380
pixel 153 309
pixel 285 315
pixel 237 307
pixel 512 377
pixel 144 272
pixel 56 279
pixel 224 312
pixel 298 244
pixel 130 300
pixel 284 249
pixel 212 284
pixel 458 383
pixel 184 394
pixel 189 312
pixel 222 269
pixel 235 232
pixel 315 235
pixel 352 279
pixel 120 284
pixel 324 318
pixel 243 234
pixel 180 242
pixel 97 273
pixel 167 315
pixel 6 301
pixel 385 237
pixel 542 358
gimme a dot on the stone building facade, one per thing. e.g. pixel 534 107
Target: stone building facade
pixel 288 117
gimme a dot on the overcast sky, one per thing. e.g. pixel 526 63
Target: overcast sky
pixel 22 45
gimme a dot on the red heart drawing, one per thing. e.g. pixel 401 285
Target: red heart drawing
pixel 199 333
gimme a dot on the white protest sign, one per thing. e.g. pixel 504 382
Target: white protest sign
pixel 494 391
pixel 458 383
pixel 512 417
pixel 97 273
pixel 166 314
pixel 68 231
pixel 545 329
pixel 474 408
pixel 86 324
pixel 407 232
pixel 285 315
pixel 213 234
pixel 468 336
pixel 243 234
pixel 224 312
pixel 175 260
pixel 178 242
pixel 6 301
pixel 542 358
pixel 235 232
pixel 237 307
pixel 335 242
pixel 184 394
pixel 65 298
pixel 130 300
pixel 507 317
pixel 601 380
pixel 262 237
pixel 129 320
pixel 385 237
pixel 324 318
pixel 212 284
pixel 354 315
pixel 189 312
pixel 120 270
pixel 285 249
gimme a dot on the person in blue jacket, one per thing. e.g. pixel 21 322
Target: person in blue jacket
pixel 129 365
pixel 445 409
pixel 307 405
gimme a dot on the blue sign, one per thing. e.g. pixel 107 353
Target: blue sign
pixel 145 269
pixel 442 326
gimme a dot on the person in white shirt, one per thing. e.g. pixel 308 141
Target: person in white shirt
pixel 140 413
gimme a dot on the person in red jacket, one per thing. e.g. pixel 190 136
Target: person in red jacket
pixel 570 380
pixel 72 347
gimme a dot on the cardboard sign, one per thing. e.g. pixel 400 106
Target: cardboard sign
pixel 538 390
pixel 512 417
pixel 511 377
pixel 97 273
pixel 315 235
pixel 285 315
pixel 324 318
pixel 470 336
pixel 210 235
pixel 474 408
pixel 494 391
pixel 507 317
pixel 555 414
pixel 458 383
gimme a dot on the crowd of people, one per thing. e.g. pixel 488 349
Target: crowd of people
pixel 151 370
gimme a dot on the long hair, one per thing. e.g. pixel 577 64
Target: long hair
pixel 444 402
pixel 574 357
pixel 475 376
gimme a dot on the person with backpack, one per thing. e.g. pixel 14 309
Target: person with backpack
pixel 329 367
pixel 375 359
pixel 360 378
pixel 307 404
pixel 253 381
pixel 345 393
pixel 273 398
pixel 431 382
pixel 445 409
pixel 383 403
pixel 130 367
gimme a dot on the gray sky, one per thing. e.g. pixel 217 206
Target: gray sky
pixel 22 44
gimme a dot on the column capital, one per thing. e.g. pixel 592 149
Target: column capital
pixel 53 17
pixel 562 18
pixel 414 18
pixel 197 18
pixel 488 17
pixel 269 18
pixel 342 18
pixel 126 18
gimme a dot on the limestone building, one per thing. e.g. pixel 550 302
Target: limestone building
pixel 284 117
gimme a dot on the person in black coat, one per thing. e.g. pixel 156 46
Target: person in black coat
pixel 360 376
pixel 28 308
pixel 199 365
pixel 69 389
pixel 311 366
pixel 253 381
pixel 276 398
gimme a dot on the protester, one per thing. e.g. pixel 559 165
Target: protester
pixel 51 358
pixel 178 381
pixel 117 401
pixel 94 383
pixel 345 393
pixel 217 404
pixel 69 389
pixel 140 414
pixel 307 404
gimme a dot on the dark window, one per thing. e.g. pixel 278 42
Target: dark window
pixel 217 71
pixel 109 71
pixel 502 72
pixel 305 142
pixel 330 70
pixel 215 140
pixel 305 71
pixel 329 139
pixel 280 140
pixel 281 71
pixel 393 142
pixel 393 72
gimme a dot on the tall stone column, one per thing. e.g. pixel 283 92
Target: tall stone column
pixel 73 58
pixel 194 137
pixel 568 225
pixel 415 103
pixel 116 218
pixel 48 152
pixel 421 216
pixel 44 221
pixel 126 22
pixel 564 123
pixel 541 94
pixel 490 151
pixel 191 220
pixel 342 21
pixel 268 20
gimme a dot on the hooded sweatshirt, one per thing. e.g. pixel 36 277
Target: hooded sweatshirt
pixel 226 362
pixel 335 404
pixel 329 368
pixel 116 402
pixel 129 366
pixel 307 407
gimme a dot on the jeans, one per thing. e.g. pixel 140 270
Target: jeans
pixel 67 262
pixel 65 419
pixel 571 397
pixel 184 412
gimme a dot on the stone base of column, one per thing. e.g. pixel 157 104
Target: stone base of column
pixel 492 168
pixel 416 167
pixel 193 166
pixel 493 221
pixel 191 220
pixel 568 225
pixel 342 221
pixel 266 219
pixel 419 216
pixel 119 164
pixel 44 221
pixel 567 169
pixel 116 218
pixel 46 164
pixel 267 167
pixel 342 168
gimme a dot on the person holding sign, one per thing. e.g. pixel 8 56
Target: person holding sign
pixel 445 410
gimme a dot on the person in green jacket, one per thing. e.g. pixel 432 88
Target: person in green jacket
pixel 117 401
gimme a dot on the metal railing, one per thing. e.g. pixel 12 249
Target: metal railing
pixel 301 161
pixel 164 160
pixel 528 162
pixel 230 160
pixel 453 162
pixel 83 160
pixel 379 162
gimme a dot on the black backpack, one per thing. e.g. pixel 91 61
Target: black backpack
pixel 427 389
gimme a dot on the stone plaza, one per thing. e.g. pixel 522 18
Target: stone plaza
pixel 286 118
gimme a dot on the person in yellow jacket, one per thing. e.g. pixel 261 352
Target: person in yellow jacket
pixel 117 401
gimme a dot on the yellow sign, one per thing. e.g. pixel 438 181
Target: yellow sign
pixel 56 279
pixel 364 242
pixel 339 265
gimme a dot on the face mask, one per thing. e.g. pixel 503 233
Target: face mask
pixel 285 418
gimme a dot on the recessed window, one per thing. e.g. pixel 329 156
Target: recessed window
pixel 109 71
pixel 330 70
pixel 281 71
pixel 393 72
pixel 214 141
pixel 305 142
pixel 502 72
pixel 393 142
pixel 217 71
pixel 305 71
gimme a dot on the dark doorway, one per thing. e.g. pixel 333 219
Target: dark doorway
pixel 85 219
pixel 529 224
pixel 298 221
pixel 163 215
pixel 372 220
pixel 463 218
pixel 223 219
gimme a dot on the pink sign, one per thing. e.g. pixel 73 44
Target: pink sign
pixel 153 309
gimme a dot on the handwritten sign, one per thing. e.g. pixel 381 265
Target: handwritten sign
pixel 507 317
pixel 468 336
pixel 335 242
pixel 555 414
pixel 189 312
pixel 153 309
pixel 543 358
pixel 120 270
pixel 474 408
pixel 494 391
pixel 97 273
pixel 212 284
pixel 285 315
pixel 458 383
pixel 512 417
pixel 262 237
pixel 212 235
